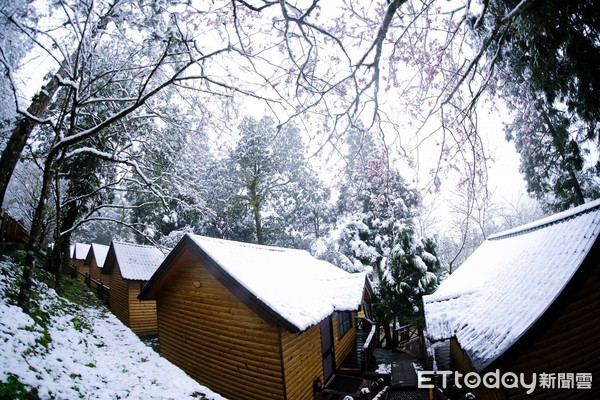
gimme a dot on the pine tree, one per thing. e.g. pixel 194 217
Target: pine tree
pixel 379 236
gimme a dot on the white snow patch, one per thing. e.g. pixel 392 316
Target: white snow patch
pixel 91 354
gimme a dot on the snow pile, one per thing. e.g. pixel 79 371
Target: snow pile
pixel 79 352
pixel 508 283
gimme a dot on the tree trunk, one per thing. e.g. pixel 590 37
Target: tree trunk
pixel 20 135
pixel 257 222
pixel 389 341
pixel 39 105
pixel 34 239
pixel 25 286
pixel 255 202
pixel 62 243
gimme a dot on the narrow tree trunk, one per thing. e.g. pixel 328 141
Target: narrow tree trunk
pixel 255 202
pixel 34 240
pixel 388 335
pixel 258 223
pixel 62 242
pixel 39 105
pixel 26 282
pixel 18 139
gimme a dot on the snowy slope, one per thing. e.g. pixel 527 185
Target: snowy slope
pixel 89 354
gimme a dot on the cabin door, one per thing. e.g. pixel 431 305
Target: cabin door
pixel 327 348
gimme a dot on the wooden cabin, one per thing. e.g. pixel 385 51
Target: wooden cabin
pixel 80 252
pixel 95 259
pixel 527 302
pixel 98 280
pixel 130 266
pixel 251 321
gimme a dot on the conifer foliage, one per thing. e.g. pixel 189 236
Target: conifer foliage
pixel 379 236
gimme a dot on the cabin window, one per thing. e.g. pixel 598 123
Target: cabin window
pixel 344 323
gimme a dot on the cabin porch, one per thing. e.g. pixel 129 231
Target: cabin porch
pixel 370 372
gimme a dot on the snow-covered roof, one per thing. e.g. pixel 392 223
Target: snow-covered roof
pixel 298 288
pixel 136 262
pixel 100 251
pixel 509 282
pixel 81 250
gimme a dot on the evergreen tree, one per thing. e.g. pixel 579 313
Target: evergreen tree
pixel 275 197
pixel 547 66
pixel 379 236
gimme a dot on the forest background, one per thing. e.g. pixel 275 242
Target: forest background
pixel 359 131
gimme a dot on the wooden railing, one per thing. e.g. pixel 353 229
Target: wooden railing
pixel 367 328
pixel 101 289
pixel 11 230
pixel 405 334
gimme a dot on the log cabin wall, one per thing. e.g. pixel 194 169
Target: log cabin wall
pixel 345 344
pixel 566 344
pixel 142 313
pixel 215 338
pixel 302 362
pixel 81 268
pixel 85 270
pixel 462 364
pixel 119 295
pixel 94 270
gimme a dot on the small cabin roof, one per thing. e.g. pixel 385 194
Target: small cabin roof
pixel 99 251
pixel 136 261
pixel 294 288
pixel 80 251
pixel 509 282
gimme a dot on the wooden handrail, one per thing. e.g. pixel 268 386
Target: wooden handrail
pixel 11 230
pixel 101 289
pixel 368 347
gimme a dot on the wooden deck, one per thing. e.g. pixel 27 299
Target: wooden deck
pixel 359 371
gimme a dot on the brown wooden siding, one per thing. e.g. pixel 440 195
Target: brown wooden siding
pixel 568 343
pixel 462 364
pixel 302 362
pixel 105 278
pixel 142 313
pixel 80 267
pixel 94 270
pixel 119 295
pixel 215 338
pixel 344 345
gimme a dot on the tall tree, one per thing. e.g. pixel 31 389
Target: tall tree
pixel 379 235
pixel 269 176
pixel 103 83
pixel 548 68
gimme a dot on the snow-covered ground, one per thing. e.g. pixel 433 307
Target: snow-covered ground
pixel 81 352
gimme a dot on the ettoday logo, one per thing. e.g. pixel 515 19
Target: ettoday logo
pixel 508 380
